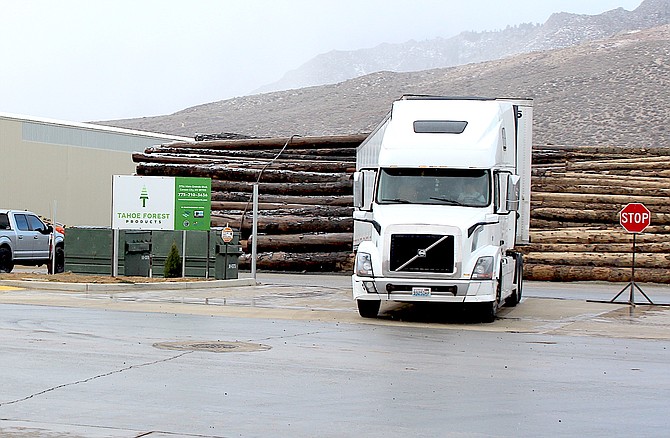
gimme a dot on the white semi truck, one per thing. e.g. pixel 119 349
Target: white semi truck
pixel 442 200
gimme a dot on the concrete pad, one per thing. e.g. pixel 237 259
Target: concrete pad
pixel 312 303
pixel 106 287
pixel 328 299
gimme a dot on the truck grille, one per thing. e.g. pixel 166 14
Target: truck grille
pixel 422 253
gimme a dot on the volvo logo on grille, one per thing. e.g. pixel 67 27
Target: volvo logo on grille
pixel 421 253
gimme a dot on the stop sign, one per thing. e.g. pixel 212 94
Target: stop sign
pixel 635 217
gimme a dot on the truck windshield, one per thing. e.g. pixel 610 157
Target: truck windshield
pixel 464 187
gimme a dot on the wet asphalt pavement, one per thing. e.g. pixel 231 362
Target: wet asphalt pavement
pixel 291 358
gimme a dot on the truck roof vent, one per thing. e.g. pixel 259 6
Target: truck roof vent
pixel 439 126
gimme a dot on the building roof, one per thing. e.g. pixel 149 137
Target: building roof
pixel 91 126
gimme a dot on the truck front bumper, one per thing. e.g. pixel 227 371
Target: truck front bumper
pixel 415 290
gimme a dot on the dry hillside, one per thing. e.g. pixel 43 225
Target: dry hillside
pixel 607 92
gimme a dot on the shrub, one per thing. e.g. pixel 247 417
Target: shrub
pixel 173 263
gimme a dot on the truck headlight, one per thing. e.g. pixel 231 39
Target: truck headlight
pixel 483 269
pixel 363 266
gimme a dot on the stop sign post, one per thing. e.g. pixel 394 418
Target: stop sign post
pixel 634 217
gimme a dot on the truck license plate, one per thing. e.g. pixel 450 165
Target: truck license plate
pixel 420 291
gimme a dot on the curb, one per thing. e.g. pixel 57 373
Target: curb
pixel 108 287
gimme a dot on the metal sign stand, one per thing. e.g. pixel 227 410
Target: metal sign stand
pixel 52 238
pixel 254 232
pixel 632 285
pixel 183 253
pixel 151 257
pixel 115 252
pixel 207 256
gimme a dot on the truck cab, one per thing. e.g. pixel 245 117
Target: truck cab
pixel 442 200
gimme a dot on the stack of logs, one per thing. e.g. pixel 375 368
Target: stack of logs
pixel 305 214
pixel 305 194
pixel 576 196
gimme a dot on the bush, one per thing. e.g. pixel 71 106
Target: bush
pixel 172 263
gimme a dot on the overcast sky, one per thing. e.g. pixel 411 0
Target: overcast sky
pixel 84 60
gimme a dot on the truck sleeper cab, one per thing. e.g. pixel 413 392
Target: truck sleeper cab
pixel 442 199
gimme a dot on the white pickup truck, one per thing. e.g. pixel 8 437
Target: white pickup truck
pixel 26 240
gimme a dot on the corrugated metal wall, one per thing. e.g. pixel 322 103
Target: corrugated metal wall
pixel 74 136
pixel 69 168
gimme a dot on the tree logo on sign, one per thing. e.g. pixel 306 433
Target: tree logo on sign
pixel 144 196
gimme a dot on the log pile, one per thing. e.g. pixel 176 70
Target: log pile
pixel 305 199
pixel 305 194
pixel 576 196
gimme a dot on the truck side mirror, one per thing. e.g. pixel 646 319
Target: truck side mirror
pixel 513 192
pixel 364 185
pixel 359 184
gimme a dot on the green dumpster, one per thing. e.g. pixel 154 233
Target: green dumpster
pixel 227 256
pixel 88 250
pixel 137 253
pixel 199 258
pixel 141 253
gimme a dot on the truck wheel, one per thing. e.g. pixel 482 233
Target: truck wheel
pixel 368 308
pixel 515 298
pixel 6 264
pixel 60 261
pixel 490 310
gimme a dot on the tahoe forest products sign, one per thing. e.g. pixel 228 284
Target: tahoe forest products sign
pixel 161 203
pixel 193 203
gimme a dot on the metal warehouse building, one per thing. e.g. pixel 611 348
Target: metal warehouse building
pixel 49 165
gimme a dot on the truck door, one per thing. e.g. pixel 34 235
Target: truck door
pixel 40 237
pixel 32 241
pixel 24 238
pixel 507 219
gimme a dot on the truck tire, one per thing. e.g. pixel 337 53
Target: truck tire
pixel 515 298
pixel 60 261
pixel 490 310
pixel 368 308
pixel 6 264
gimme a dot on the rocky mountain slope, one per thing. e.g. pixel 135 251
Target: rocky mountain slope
pixel 561 30
pixel 613 91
